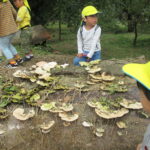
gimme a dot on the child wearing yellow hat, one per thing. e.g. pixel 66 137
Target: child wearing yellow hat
pixel 88 37
pixel 8 29
pixel 141 73
pixel 23 21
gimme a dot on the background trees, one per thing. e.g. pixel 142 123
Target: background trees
pixel 117 16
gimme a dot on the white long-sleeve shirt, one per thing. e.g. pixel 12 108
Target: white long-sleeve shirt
pixel 89 40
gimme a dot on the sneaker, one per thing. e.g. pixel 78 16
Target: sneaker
pixel 27 58
pixel 20 61
pixel 11 65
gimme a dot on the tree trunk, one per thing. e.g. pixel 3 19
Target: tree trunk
pixel 135 33
pixel 60 28
pixel 130 23
pixel 60 19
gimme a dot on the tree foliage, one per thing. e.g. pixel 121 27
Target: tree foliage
pixel 129 12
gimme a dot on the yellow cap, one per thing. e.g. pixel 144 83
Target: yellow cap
pixel 89 10
pixel 139 72
pixel 26 4
pixel 5 1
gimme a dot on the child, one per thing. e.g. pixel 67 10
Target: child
pixel 88 37
pixel 141 73
pixel 23 21
pixel 8 28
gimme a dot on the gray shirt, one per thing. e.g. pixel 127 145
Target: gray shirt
pixel 146 140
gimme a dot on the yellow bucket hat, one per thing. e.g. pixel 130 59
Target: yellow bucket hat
pixel 89 10
pixel 139 72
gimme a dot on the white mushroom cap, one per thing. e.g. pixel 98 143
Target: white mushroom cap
pixel 41 63
pixel 40 71
pixel 47 126
pixel 66 107
pixel 45 76
pixel 106 77
pixel 21 74
pixel 111 114
pixel 21 115
pixel 131 104
pixel 49 66
pixel 87 124
pixel 94 70
pixel 64 65
pixel 121 125
pixel 68 117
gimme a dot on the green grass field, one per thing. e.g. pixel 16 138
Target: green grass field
pixel 113 45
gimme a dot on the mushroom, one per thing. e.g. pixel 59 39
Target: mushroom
pixel 20 114
pixel 22 74
pixel 99 132
pixel 40 71
pixel 68 117
pixel 41 63
pixel 87 124
pixel 64 65
pixel 49 66
pixel 121 125
pixel 106 77
pixel 48 106
pixel 92 104
pixel 46 127
pixel 84 64
pixel 42 83
pixel 90 83
pixel 97 77
pixel 94 70
pixel 79 85
pixel 45 76
pixel 107 114
pixel 131 104
pixel 66 107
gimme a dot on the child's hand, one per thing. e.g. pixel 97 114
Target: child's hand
pixel 80 55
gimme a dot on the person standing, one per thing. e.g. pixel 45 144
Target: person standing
pixel 8 29
pixel 23 21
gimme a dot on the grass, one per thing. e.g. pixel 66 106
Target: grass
pixel 113 45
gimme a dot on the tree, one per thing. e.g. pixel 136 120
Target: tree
pixel 134 12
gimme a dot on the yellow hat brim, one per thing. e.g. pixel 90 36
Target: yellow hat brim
pixel 91 13
pixel 139 72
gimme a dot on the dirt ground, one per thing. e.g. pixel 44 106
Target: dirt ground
pixel 23 135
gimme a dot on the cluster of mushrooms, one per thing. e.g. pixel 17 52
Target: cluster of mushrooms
pixel 41 74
